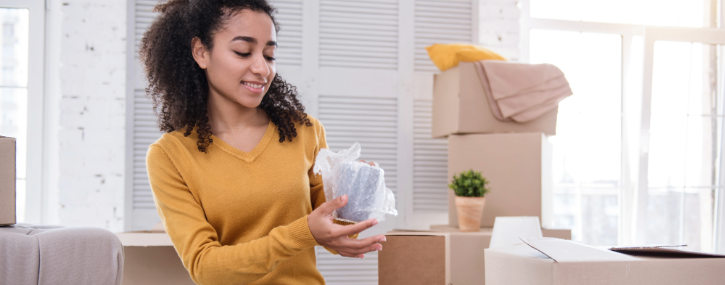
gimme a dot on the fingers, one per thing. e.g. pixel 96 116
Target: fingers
pixel 355 247
pixel 328 207
pixel 357 227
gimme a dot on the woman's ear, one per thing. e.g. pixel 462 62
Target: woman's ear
pixel 200 53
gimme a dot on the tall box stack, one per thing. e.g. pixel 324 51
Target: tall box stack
pixel 514 157
pixel 7 181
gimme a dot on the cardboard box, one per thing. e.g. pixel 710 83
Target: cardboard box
pixel 552 233
pixel 432 258
pixel 7 181
pixel 150 258
pixel 518 167
pixel 564 262
pixel 460 107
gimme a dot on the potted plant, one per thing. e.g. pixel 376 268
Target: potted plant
pixel 470 189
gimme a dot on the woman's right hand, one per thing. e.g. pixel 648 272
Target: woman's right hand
pixel 335 236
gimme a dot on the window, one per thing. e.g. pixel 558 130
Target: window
pixel 21 104
pixel 623 175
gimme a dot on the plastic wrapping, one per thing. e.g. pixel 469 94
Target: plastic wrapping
pixel 364 185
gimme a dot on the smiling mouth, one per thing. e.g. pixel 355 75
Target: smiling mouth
pixel 253 85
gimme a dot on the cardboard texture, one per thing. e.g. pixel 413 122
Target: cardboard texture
pixel 432 258
pixel 553 261
pixel 460 107
pixel 7 181
pixel 150 258
pixel 518 167
pixel 551 233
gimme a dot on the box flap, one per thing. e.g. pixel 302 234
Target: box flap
pixel 663 250
pixel 567 251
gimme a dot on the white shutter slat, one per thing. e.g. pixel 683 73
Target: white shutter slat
pixel 359 34
pixel 339 270
pixel 145 132
pixel 430 163
pixel 373 122
pixel 440 22
pixel 289 38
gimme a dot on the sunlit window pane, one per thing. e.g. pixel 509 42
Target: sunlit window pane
pixel 685 135
pixel 678 13
pixel 587 147
pixel 14 92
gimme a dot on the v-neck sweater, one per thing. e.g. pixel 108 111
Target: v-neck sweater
pixel 238 217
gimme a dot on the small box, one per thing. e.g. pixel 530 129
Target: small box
pixel 7 181
pixel 518 167
pixel 150 258
pixel 460 107
pixel 567 263
pixel 432 258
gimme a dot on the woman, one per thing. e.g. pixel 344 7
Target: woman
pixel 232 177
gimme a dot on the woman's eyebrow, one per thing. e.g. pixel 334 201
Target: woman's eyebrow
pixel 252 40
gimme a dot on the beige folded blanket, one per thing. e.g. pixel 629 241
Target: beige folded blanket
pixel 521 92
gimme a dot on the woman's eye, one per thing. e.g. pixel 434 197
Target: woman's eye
pixel 243 54
pixel 270 58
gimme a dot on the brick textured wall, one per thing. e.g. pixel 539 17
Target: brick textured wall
pixel 499 27
pixel 92 115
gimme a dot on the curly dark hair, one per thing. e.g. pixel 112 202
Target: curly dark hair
pixel 178 87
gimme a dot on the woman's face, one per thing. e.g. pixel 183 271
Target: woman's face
pixel 240 67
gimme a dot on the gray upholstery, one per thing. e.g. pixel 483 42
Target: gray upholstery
pixel 54 255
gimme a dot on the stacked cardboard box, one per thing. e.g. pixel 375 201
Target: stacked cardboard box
pixel 514 157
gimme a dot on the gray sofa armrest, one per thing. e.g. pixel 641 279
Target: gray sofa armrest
pixel 59 256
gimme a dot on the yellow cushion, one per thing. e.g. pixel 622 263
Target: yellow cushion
pixel 446 56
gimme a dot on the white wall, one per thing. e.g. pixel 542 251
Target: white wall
pixel 499 27
pixel 85 100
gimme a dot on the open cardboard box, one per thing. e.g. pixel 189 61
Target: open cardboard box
pixel 518 167
pixel 150 258
pixel 460 107
pixel 561 262
pixel 7 181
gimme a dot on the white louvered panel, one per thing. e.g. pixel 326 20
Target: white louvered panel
pixel 289 38
pixel 370 121
pixel 440 22
pixel 143 19
pixel 339 270
pixel 145 132
pixel 359 34
pixel 430 163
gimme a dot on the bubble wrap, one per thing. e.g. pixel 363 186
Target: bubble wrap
pixel 364 185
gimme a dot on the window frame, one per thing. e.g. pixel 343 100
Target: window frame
pixel 634 159
pixel 34 194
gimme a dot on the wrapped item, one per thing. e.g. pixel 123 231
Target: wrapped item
pixel 364 185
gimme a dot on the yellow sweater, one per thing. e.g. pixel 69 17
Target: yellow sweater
pixel 240 217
